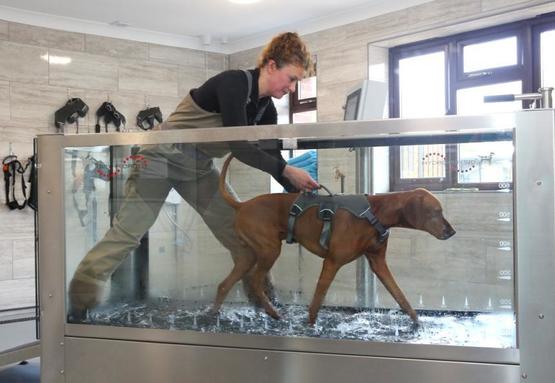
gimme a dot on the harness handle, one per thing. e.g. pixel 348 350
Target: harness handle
pixel 326 189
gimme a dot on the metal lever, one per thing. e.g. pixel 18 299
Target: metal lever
pixel 543 97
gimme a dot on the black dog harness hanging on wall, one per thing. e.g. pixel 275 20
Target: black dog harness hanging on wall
pixel 108 112
pixel 70 113
pixel 357 205
pixel 12 167
pixel 146 118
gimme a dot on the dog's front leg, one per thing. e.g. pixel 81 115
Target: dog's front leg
pixel 379 267
pixel 329 270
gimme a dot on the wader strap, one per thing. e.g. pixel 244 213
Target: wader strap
pixel 293 213
pixel 262 109
pixel 383 233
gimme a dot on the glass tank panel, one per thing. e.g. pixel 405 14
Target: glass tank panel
pixel 461 286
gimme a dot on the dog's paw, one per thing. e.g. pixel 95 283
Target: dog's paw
pixel 273 313
pixel 212 311
pixel 416 326
pixel 311 320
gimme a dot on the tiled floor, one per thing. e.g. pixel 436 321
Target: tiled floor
pixel 28 372
pixel 15 335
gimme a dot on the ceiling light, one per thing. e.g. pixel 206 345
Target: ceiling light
pixel 244 1
pixel 63 60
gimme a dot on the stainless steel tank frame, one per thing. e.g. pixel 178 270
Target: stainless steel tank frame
pixel 543 97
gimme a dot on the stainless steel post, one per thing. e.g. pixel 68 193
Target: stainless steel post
pixel 365 279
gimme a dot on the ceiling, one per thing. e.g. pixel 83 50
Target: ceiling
pixel 214 25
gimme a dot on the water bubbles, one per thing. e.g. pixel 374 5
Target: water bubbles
pixel 490 307
pixel 488 329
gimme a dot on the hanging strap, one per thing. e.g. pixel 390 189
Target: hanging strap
pixel 293 213
pixel 11 168
pixel 383 232
pixel 32 201
pixel 262 108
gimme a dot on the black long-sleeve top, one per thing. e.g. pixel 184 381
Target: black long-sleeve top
pixel 226 94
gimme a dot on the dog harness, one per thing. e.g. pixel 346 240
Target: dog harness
pixel 12 167
pixel 357 205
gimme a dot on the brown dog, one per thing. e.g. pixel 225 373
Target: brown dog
pixel 261 224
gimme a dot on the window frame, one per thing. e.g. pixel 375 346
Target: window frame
pixel 526 70
pixel 306 104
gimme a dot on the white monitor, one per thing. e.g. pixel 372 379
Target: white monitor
pixel 367 101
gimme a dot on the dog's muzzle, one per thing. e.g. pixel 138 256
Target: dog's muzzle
pixel 448 232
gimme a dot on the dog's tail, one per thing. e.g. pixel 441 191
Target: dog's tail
pixel 223 189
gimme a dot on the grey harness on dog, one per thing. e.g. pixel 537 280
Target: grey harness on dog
pixel 357 205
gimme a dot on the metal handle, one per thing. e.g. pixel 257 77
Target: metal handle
pixel 543 96
pixel 326 189
pixel 499 98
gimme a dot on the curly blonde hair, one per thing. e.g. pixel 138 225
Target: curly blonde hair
pixel 287 48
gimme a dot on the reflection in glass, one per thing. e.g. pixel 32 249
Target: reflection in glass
pixel 422 161
pixel 485 162
pixel 490 54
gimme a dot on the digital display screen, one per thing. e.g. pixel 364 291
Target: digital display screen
pixel 351 106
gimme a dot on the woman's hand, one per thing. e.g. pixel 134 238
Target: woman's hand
pixel 299 178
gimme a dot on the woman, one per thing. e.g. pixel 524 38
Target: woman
pixel 231 98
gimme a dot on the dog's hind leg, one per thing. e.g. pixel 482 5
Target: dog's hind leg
pixel 379 267
pixel 329 270
pixel 261 270
pixel 240 269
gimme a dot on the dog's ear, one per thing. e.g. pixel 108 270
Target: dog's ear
pixel 412 210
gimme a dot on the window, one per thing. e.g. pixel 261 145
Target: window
pixel 421 79
pixel 547 57
pixel 303 101
pixel 452 75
